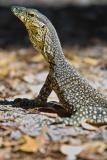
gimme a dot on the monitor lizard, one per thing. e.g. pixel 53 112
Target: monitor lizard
pixel 75 93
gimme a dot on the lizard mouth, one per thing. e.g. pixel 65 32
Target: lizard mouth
pixel 20 12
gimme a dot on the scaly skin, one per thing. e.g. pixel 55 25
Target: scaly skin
pixel 74 92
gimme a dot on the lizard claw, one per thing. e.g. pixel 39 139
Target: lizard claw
pixel 24 103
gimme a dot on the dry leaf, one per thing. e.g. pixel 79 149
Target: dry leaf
pixel 88 126
pixel 94 151
pixel 71 151
pixel 52 115
pixel 32 144
pixel 37 58
pixel 4 72
pixel 75 60
pixel 91 61
pixel 1 141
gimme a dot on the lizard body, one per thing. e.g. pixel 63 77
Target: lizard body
pixel 74 92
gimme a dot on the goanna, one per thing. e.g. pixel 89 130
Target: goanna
pixel 74 92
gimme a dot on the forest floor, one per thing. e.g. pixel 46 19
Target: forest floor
pixel 22 74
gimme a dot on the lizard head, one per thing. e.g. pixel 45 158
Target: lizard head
pixel 33 23
pixel 41 32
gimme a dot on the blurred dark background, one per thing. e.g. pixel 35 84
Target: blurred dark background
pixel 79 22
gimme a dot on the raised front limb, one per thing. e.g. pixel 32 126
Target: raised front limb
pixel 40 100
pixel 44 92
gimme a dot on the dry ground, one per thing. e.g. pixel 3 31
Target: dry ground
pixel 22 74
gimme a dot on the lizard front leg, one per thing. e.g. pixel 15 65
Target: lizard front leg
pixel 40 100
pixel 44 92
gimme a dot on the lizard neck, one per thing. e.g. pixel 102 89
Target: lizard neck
pixel 52 50
pixel 47 42
pixel 55 58
pixel 57 61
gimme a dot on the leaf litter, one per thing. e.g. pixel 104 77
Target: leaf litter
pixel 22 73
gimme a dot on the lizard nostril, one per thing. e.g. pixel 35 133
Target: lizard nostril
pixel 17 9
pixel 13 8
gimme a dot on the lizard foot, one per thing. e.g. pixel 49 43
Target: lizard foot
pixel 37 103
pixel 24 103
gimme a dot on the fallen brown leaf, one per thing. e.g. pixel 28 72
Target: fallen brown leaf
pixel 37 58
pixel 91 61
pixel 54 115
pixel 4 72
pixel 88 126
pixel 94 151
pixel 32 145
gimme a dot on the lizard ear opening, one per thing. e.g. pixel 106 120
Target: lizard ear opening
pixel 31 14
pixel 43 26
pixel 38 24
